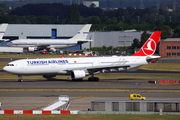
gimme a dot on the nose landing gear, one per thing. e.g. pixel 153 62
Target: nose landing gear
pixel 20 78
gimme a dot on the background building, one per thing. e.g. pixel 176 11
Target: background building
pixel 170 47
pixel 89 3
pixel 113 38
pixel 130 106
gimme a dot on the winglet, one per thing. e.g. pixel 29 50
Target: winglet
pixel 149 47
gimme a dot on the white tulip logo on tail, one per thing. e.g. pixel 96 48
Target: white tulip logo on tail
pixel 149 47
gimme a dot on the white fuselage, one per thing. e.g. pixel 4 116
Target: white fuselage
pixel 63 65
pixel 48 43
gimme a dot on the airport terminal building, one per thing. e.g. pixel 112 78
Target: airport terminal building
pixel 66 31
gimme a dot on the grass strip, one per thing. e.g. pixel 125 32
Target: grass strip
pixel 88 90
pixel 162 67
pixel 92 117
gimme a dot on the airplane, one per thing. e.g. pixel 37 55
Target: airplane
pixel 2 31
pixel 78 68
pixel 51 44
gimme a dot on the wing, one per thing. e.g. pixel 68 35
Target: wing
pixel 98 68
pixel 43 46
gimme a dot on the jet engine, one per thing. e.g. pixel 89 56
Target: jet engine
pixel 48 76
pixel 78 74
pixel 52 50
pixel 31 49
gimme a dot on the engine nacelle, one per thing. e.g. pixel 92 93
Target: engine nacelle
pixel 78 74
pixel 52 50
pixel 31 49
pixel 48 76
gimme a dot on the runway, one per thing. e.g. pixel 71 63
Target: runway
pixel 81 100
pixel 36 94
pixel 140 84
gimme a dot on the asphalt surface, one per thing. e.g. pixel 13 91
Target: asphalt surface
pixel 31 98
pixel 139 84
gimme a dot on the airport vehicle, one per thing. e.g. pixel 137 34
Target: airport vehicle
pixel 78 68
pixel 2 31
pixel 52 44
pixel 136 97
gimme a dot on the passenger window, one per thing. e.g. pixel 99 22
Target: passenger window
pixel 134 95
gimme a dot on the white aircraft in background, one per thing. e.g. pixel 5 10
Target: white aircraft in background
pixel 2 31
pixel 52 44
pixel 78 68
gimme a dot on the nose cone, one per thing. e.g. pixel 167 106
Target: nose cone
pixel 9 44
pixel 5 68
pixel 10 69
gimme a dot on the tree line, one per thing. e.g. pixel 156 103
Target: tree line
pixel 102 3
pixel 150 18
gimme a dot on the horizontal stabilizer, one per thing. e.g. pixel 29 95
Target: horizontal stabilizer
pixel 152 58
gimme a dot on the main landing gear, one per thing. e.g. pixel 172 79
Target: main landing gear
pixel 20 78
pixel 92 78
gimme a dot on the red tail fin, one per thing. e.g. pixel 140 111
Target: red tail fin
pixel 150 46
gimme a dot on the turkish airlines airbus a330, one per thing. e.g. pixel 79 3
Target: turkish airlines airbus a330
pixel 78 68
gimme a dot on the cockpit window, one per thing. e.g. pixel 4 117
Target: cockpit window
pixel 10 64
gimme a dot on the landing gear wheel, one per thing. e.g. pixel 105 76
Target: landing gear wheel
pixel 93 79
pixel 90 79
pixel 96 79
pixel 20 78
